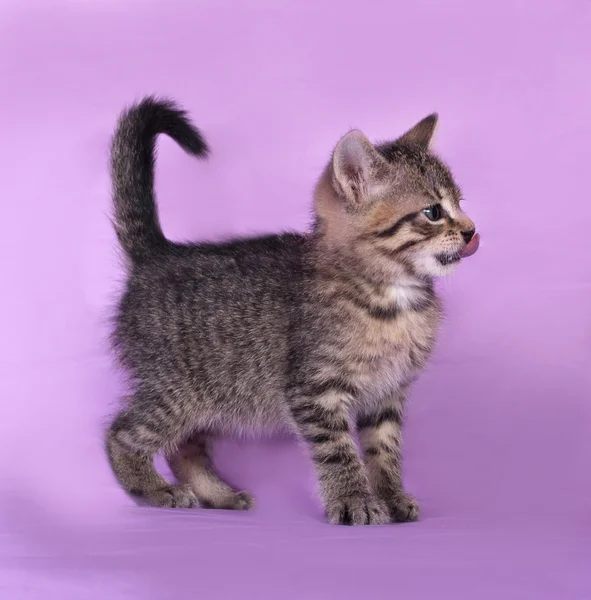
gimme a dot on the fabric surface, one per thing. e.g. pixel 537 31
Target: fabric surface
pixel 498 442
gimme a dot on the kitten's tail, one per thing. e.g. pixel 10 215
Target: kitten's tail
pixel 132 171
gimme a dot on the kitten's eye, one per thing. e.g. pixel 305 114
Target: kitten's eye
pixel 433 213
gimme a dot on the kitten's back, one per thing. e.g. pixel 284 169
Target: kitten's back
pixel 214 320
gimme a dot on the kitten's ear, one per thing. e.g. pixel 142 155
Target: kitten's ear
pixel 357 167
pixel 421 134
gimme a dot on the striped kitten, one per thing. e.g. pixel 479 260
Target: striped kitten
pixel 318 334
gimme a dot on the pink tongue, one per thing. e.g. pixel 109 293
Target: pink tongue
pixel 471 247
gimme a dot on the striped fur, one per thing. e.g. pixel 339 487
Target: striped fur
pixel 320 335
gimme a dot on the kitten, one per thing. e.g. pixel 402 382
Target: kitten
pixel 319 334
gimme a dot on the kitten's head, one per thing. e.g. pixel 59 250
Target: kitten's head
pixel 394 204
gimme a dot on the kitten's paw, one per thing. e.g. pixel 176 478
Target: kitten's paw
pixel 357 510
pixel 233 501
pixel 173 496
pixel 403 508
pixel 242 501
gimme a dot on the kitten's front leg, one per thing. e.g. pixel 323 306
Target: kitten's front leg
pixel 380 435
pixel 322 419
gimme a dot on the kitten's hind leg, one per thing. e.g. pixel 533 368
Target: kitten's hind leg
pixel 191 465
pixel 131 443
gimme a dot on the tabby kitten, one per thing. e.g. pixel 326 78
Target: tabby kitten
pixel 319 334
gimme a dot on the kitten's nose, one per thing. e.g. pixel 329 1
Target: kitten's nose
pixel 468 235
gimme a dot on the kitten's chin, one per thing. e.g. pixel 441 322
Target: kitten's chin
pixel 439 265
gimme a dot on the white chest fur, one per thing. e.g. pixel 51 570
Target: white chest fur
pixel 404 297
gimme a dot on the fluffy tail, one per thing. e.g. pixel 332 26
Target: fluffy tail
pixel 132 171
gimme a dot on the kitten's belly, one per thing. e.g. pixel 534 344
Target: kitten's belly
pixel 259 412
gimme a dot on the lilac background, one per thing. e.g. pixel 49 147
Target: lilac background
pixel 499 433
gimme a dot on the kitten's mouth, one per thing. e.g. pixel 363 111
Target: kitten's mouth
pixel 468 250
pixel 448 259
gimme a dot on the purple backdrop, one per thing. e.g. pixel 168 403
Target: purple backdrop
pixel 499 432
